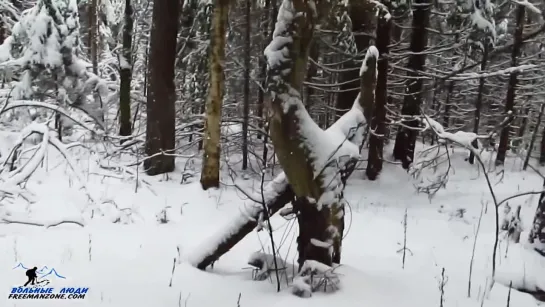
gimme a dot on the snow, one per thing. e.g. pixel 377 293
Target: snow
pixel 131 264
pixel 123 63
pixel 372 52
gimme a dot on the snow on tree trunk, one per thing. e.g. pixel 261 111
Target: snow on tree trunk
pixel 125 63
pixel 312 159
pixel 160 133
pixel 211 155
pixel 378 123
pixel 277 194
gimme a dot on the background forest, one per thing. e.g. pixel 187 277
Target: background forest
pixel 353 135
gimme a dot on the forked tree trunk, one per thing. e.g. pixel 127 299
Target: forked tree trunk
pixel 125 62
pixel 210 175
pixel 286 76
pixel 278 193
pixel 323 224
pixel 161 112
pixel 317 187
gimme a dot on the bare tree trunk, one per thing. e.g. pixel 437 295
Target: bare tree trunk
pixel 542 150
pixel 125 62
pixel 161 112
pixel 378 123
pixel 93 34
pixel 247 69
pixel 210 176
pixel 311 73
pixel 362 15
pixel 512 85
pixel 268 28
pixel 406 138
pixel 534 136
pixel 479 101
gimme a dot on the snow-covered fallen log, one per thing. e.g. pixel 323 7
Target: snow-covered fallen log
pixel 277 194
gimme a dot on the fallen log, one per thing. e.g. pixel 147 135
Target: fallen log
pixel 277 194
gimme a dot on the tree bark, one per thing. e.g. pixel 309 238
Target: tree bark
pixel 378 122
pixel 361 14
pixel 125 126
pixel 512 85
pixel 247 68
pixel 534 136
pixel 93 33
pixel 479 101
pixel 161 112
pixel 406 138
pixel 210 175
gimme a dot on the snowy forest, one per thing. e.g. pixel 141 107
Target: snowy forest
pixel 267 152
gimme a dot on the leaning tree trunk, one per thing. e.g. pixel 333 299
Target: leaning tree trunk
pixel 161 112
pixel 125 62
pixel 406 137
pixel 512 85
pixel 210 176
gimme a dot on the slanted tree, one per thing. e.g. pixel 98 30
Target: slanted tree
pixel 210 176
pixel 160 133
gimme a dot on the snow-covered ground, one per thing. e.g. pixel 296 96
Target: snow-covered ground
pixel 130 263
